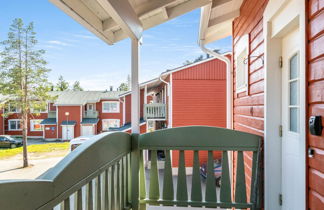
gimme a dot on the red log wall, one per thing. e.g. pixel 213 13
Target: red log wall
pixel 315 91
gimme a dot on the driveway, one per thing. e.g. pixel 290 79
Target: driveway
pixel 11 168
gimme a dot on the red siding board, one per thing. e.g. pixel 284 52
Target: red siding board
pixel 199 98
pixel 315 93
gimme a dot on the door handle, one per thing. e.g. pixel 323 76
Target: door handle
pixel 311 152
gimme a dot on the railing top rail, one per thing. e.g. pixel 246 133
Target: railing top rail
pixel 199 138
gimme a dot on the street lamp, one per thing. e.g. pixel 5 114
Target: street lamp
pixel 67 124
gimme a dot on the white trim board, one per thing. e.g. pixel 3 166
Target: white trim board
pixel 280 17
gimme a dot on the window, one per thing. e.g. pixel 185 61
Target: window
pixel 13 108
pixel 241 64
pixel 14 125
pixel 110 107
pixel 90 107
pixel 110 123
pixel 35 125
pixel 293 93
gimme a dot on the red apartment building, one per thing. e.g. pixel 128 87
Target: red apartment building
pixel 194 94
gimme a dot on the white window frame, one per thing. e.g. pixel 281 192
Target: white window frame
pixel 110 102
pixel 107 120
pixel 242 63
pixel 32 123
pixel 18 110
pixel 17 120
pixel 44 111
pixel 90 105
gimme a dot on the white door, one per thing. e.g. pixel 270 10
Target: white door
pixel 68 132
pixel 87 130
pixel 293 174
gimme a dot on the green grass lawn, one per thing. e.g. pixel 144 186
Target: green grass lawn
pixel 35 148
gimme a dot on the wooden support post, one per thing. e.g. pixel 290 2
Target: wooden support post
pixel 135 87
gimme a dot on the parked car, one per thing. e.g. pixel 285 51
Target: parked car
pixel 217 171
pixel 7 141
pixel 74 143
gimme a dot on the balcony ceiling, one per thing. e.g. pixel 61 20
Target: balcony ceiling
pixel 114 20
pixel 216 19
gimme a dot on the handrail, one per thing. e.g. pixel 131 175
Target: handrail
pixel 107 172
pixel 93 160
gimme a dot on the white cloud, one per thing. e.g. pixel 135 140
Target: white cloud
pixel 57 42
pixel 84 36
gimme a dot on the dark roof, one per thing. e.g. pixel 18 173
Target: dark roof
pixel 125 127
pixel 89 120
pixel 70 122
pixel 49 121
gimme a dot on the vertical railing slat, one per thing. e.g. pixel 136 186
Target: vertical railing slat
pixel 78 204
pixel 211 195
pixel 106 190
pixel 168 193
pixel 122 183
pixel 240 187
pixel 89 197
pixel 128 180
pixel 98 193
pixel 196 194
pixel 142 177
pixel 182 192
pixel 118 185
pixel 67 203
pixel 253 177
pixel 225 191
pixel 112 188
pixel 154 193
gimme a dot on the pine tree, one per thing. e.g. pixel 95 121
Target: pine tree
pixel 77 86
pixel 61 85
pixel 23 74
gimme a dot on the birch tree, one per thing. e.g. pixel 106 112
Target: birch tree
pixel 23 74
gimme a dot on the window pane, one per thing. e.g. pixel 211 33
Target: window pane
pixel 294 67
pixel 105 125
pixel 293 119
pixel 293 92
pixel 18 125
pixel 12 125
pixel 113 107
pixel 35 125
pixel 113 123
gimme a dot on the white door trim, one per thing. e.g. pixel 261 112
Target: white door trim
pixel 280 17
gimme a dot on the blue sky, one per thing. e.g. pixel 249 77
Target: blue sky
pixel 77 54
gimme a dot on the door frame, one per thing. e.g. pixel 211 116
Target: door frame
pixel 63 126
pixel 92 126
pixel 280 17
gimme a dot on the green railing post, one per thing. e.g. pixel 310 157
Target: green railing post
pixel 135 156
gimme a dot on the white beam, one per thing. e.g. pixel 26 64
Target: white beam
pixel 83 15
pixel 229 16
pixel 186 7
pixel 217 3
pixel 150 6
pixel 135 108
pixel 124 15
pixel 109 24
pixel 165 13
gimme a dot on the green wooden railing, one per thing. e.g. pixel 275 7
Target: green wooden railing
pixel 108 172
